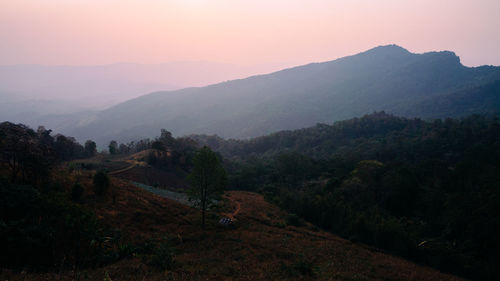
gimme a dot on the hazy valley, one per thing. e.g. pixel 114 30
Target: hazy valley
pixel 389 78
pixel 380 165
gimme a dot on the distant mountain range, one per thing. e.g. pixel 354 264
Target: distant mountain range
pixel 429 85
pixel 389 78
pixel 61 89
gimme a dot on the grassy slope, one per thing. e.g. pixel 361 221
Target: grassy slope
pixel 258 247
pixel 134 167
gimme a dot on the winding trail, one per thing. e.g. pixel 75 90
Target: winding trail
pixel 238 208
pixel 236 211
pixel 134 164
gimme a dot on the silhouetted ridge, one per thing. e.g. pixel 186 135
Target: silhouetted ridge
pixel 386 78
pixel 387 50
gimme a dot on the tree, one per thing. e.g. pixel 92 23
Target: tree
pixel 158 145
pixel 24 153
pixel 90 148
pixel 67 148
pixel 166 138
pixel 113 147
pixel 208 180
pixel 15 144
pixel 123 148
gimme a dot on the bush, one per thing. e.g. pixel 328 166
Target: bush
pixel 301 267
pixel 361 229
pixel 163 257
pixel 293 219
pixel 391 235
pixel 101 183
pixel 38 231
pixel 127 250
pixel 77 192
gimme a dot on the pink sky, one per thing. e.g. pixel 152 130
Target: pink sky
pixel 86 32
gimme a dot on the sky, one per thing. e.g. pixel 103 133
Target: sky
pixel 244 32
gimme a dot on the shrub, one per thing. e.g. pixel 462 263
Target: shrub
pixel 77 192
pixel 293 219
pixel 301 267
pixel 101 183
pixel 127 250
pixel 163 257
pixel 391 235
pixel 38 231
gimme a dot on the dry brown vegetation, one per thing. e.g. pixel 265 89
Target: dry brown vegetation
pixel 259 246
pixel 134 167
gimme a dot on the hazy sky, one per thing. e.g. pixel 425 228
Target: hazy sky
pixel 241 31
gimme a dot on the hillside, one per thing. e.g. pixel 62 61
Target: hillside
pixel 259 247
pixel 425 190
pixel 369 136
pixel 384 78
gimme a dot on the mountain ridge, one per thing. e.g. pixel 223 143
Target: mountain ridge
pixel 386 78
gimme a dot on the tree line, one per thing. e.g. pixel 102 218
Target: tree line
pixel 30 154
pixel 425 190
pixel 42 223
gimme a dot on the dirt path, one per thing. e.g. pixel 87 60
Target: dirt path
pixel 238 207
pixel 134 163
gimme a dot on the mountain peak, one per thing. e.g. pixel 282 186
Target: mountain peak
pixel 447 56
pixel 388 49
pixel 393 51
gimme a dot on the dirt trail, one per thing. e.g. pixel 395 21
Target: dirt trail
pixel 238 207
pixel 134 163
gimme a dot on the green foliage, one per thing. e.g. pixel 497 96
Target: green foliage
pixel 171 153
pixel 391 234
pixel 45 231
pixel 101 183
pixel 162 257
pixel 127 250
pixel 67 148
pixel 293 219
pixel 30 155
pixel 113 147
pixel 77 192
pixel 90 148
pixel 208 180
pixel 430 85
pixel 389 182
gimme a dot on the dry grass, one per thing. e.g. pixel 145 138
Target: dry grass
pixel 258 247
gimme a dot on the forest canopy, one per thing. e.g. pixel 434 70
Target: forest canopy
pixel 426 190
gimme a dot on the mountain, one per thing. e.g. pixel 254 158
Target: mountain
pixel 389 78
pixel 27 90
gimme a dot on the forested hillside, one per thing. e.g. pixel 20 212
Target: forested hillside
pixel 429 85
pixel 426 190
pixel 70 220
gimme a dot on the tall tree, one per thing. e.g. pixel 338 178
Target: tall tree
pixel 90 148
pixel 113 147
pixel 26 153
pixel 101 183
pixel 208 180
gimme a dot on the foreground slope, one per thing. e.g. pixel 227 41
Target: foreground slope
pixel 259 247
pixel 384 78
